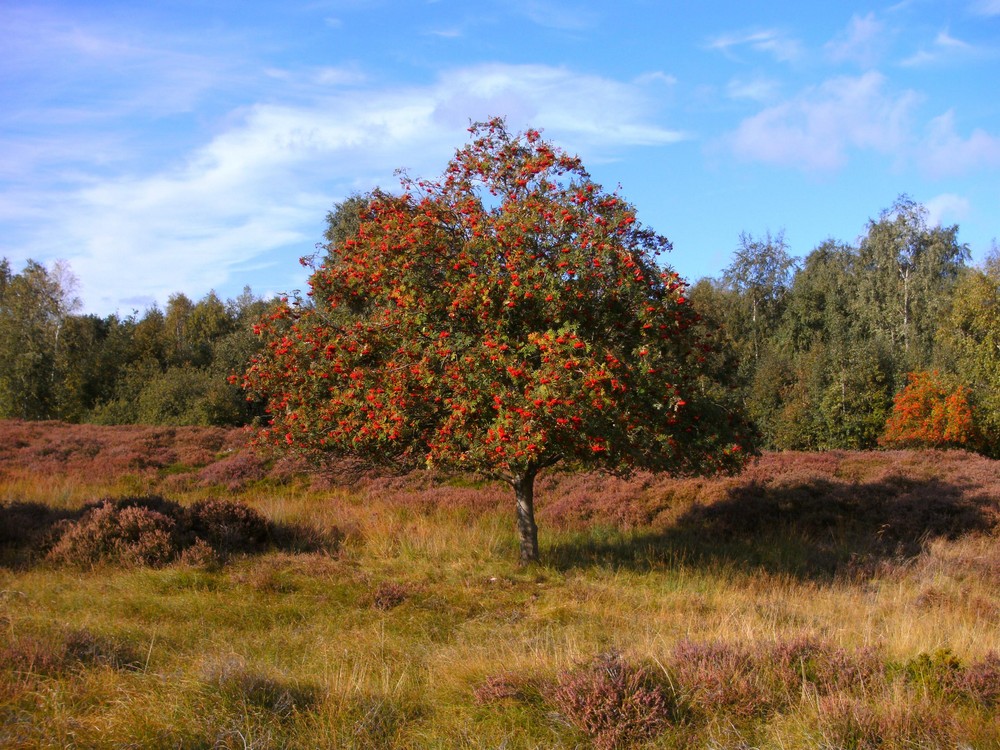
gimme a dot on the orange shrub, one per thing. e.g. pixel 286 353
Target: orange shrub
pixel 931 413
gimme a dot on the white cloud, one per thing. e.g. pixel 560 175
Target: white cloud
pixel 816 129
pixel 945 40
pixel 771 41
pixel 656 76
pixel 754 89
pixel 583 110
pixel 944 49
pixel 115 70
pixel 558 15
pixel 262 185
pixel 945 152
pixel 339 76
pixel 860 43
pixel 946 207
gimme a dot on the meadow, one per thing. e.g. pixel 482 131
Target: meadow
pixel 168 588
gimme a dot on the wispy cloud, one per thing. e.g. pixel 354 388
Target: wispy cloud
pixel 944 49
pixel 113 70
pixel 555 14
pixel 757 89
pixel 816 129
pixel 350 75
pixel 860 43
pixel 656 76
pixel 261 185
pixel 770 41
pixel 985 7
pixel 586 110
pixel 946 207
pixel 945 152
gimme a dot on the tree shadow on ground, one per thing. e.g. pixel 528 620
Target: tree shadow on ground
pixel 810 529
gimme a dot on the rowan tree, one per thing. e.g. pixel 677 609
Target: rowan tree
pixel 504 318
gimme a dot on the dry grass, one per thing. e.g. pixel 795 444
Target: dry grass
pixel 819 600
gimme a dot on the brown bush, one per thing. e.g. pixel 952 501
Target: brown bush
pixel 234 472
pixel 389 594
pixel 30 527
pixel 153 531
pixel 506 686
pixel 614 703
pixel 228 527
pixel 718 676
pixel 754 680
pixel 200 555
pixel 825 667
pixel 62 651
pixel 131 535
pixel 980 681
pixel 851 723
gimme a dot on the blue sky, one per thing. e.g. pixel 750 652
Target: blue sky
pixel 190 146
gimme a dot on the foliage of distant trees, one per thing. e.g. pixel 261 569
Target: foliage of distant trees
pixel 828 345
pixel 825 346
pixel 167 367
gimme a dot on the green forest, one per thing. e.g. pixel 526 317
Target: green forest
pixel 891 340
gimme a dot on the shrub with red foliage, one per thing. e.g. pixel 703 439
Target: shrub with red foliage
pixel 900 495
pixel 834 512
pixel 931 413
pixel 427 492
pixel 613 702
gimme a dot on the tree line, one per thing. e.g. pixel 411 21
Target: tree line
pixel 894 340
pixel 825 347
pixel 164 367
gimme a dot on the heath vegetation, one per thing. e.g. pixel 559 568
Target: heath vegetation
pixel 837 600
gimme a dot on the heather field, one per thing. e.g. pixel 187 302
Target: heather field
pixel 166 588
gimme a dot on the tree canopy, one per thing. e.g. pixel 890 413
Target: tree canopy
pixel 504 318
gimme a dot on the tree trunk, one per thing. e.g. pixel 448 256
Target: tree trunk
pixel 524 492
